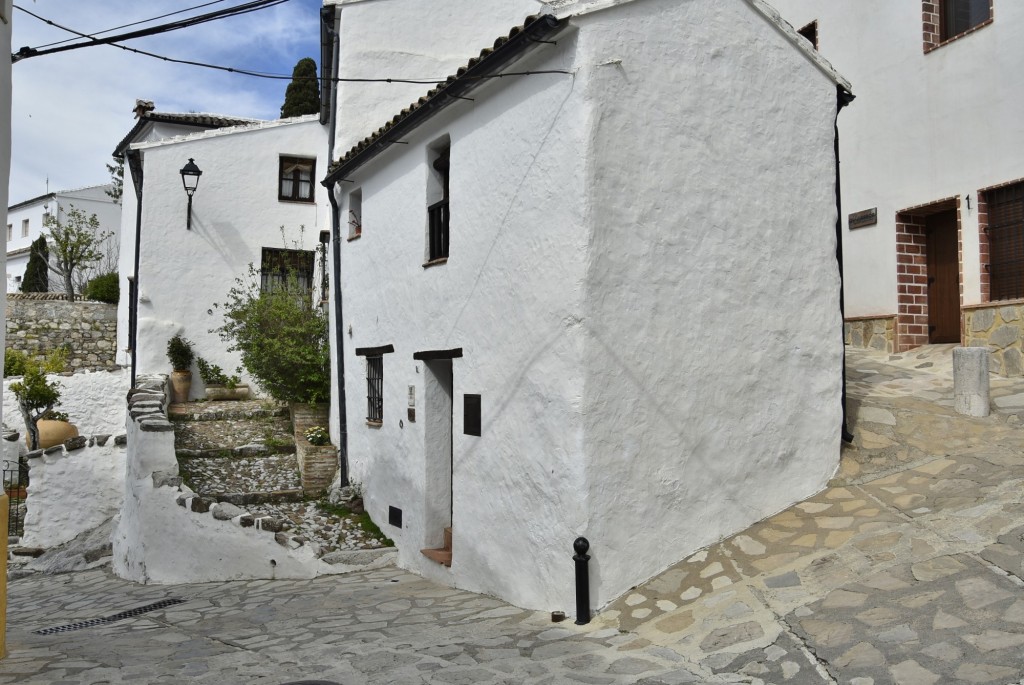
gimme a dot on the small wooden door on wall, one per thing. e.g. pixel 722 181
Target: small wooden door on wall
pixel 943 278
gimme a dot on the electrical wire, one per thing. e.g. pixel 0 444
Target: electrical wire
pixel 25 53
pixel 135 23
pixel 238 10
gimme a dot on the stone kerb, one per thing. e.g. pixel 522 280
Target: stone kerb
pixel 38 323
pixel 997 326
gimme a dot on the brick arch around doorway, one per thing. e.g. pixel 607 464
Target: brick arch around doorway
pixel 929 274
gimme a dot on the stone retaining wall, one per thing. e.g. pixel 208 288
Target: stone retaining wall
pixel 997 326
pixel 872 333
pixel 38 323
pixel 317 463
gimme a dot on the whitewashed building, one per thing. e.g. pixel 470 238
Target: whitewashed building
pixel 571 300
pixel 933 236
pixel 25 223
pixel 258 202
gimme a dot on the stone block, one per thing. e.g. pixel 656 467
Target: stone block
pixel 121 440
pixel 225 511
pixel 970 381
pixel 1009 314
pixel 76 443
pixel 101 439
pixel 982 320
pixel 246 521
pixel 1013 362
pixel 201 505
pixel 269 523
pixel 1004 336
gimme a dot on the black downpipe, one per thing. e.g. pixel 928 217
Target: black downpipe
pixel 844 98
pixel 135 168
pixel 327 17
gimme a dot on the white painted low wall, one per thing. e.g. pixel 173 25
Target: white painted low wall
pixel 94 401
pixel 96 476
pixel 159 541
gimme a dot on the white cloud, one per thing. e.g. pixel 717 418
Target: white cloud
pixel 69 110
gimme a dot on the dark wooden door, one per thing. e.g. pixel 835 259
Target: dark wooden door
pixel 943 279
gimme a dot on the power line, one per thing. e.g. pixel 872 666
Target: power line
pixel 238 10
pixel 136 23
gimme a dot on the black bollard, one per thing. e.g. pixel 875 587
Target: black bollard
pixel 581 545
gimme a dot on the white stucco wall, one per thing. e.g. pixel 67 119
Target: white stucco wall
pixel 235 212
pixel 924 127
pixel 510 295
pixel 713 343
pixel 96 476
pixel 624 288
pixel 409 39
pixel 94 401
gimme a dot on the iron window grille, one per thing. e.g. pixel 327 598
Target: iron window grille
pixel 296 179
pixel 375 389
pixel 437 214
pixel 1006 242
pixel 279 265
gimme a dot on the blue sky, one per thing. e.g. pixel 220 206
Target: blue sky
pixel 69 110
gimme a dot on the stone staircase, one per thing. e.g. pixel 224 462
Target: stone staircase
pixel 243 461
pixel 237 452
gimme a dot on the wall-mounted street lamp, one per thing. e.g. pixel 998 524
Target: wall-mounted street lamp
pixel 190 174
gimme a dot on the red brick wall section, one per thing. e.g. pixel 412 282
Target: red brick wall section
pixel 911 283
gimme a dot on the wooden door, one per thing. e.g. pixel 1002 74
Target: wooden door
pixel 943 278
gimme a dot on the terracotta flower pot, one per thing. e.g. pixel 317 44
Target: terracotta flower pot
pixel 181 385
pixel 52 433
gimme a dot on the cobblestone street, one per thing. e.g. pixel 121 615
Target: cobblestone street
pixel 907 569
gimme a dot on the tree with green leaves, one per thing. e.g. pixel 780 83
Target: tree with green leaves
pixel 303 94
pixel 76 242
pixel 281 336
pixel 37 279
pixel 116 179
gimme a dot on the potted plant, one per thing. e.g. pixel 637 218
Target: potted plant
pixel 220 386
pixel 36 396
pixel 180 354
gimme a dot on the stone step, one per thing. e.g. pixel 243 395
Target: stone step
pixel 442 555
pixel 272 432
pixel 269 473
pixel 242 499
pixel 220 411
pixel 254 450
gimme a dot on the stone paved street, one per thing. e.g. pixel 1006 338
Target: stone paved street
pixel 907 569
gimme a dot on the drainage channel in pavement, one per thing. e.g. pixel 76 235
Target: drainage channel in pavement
pixel 91 623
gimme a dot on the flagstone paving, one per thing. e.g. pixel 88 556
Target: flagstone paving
pixel 908 568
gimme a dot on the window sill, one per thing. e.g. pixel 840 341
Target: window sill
pixel 947 41
pixel 374 424
pixel 435 262
pixel 357 236
pixel 296 201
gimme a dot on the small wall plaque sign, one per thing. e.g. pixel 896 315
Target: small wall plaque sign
pixel 868 217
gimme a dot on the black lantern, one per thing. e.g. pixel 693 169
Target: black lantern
pixel 190 174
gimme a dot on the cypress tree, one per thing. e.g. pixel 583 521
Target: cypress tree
pixel 37 279
pixel 303 93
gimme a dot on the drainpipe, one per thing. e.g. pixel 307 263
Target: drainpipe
pixel 135 168
pixel 329 14
pixel 844 98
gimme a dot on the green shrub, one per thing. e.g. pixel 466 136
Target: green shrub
pixel 36 394
pixel 281 336
pixel 212 374
pixel 104 288
pixel 14 363
pixel 179 353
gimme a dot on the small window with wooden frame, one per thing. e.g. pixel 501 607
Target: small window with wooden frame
pixel 1001 218
pixel 948 20
pixel 374 382
pixel 295 179
pixel 438 214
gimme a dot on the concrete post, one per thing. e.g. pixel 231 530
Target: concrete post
pixel 970 381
